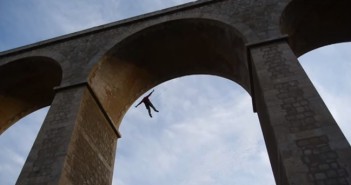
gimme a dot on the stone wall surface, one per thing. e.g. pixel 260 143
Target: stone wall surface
pixel 302 127
pixel 47 156
pixel 91 155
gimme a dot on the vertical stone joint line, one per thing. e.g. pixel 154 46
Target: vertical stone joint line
pixel 96 99
pixel 103 110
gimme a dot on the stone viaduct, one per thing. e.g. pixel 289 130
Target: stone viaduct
pixel 91 78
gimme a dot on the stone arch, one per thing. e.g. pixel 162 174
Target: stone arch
pixel 26 86
pixel 163 52
pixel 248 35
pixel 314 24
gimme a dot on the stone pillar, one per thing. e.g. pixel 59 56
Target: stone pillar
pixel 305 144
pixel 76 144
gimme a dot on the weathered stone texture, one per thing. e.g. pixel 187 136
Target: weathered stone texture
pixel 322 161
pixel 75 146
pixel 91 155
pixel 294 117
pixel 45 161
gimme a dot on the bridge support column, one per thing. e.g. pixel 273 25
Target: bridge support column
pixel 76 144
pixel 304 142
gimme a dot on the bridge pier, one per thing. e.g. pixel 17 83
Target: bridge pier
pixel 76 144
pixel 304 142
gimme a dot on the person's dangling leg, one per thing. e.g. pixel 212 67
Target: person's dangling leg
pixel 147 106
pixel 152 106
pixel 149 110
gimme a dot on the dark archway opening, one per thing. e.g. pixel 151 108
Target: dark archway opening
pixel 313 24
pixel 26 85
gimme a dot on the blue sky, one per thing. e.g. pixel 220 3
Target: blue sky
pixel 205 132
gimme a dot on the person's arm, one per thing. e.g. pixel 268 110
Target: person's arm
pixel 150 93
pixel 139 103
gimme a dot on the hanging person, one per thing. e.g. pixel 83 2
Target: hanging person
pixel 147 103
